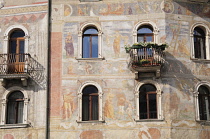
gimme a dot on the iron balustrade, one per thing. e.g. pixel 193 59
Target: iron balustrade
pixel 22 64
pixel 143 57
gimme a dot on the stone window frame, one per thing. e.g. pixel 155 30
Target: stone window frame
pixel 100 102
pixel 80 34
pixel 206 30
pixel 149 23
pixel 159 99
pixel 4 108
pixel 196 103
pixel 9 31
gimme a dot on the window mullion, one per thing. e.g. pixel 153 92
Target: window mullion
pixel 148 106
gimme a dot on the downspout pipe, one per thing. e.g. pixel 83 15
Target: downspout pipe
pixel 48 72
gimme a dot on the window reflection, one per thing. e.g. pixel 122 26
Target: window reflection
pixel 90 43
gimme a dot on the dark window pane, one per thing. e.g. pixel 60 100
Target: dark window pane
pixel 17 33
pixel 143 105
pixel 13 46
pixel 21 49
pixel 85 108
pixel 11 112
pixel 147 102
pixel 20 112
pixel 89 90
pixel 15 95
pixel 199 32
pixel 199 43
pixel 203 90
pixel 147 88
pixel 152 106
pixel 204 102
pixel 15 107
pixel 90 103
pixel 94 107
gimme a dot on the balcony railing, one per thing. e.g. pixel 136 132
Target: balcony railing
pixel 146 59
pixel 22 65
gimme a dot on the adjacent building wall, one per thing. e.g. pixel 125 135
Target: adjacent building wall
pixel 33 17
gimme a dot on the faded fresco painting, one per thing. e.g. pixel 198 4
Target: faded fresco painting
pixel 67 10
pixel 69 105
pixel 70 36
pixel 167 7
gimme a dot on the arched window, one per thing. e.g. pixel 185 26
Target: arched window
pixel 16 41
pixel 14 108
pixel 204 102
pixel 90 103
pixel 200 46
pixel 145 31
pixel 147 102
pixel 15 104
pixel 199 43
pixel 145 34
pixel 90 43
pixel 90 98
pixel 16 52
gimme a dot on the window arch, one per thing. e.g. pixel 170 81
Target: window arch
pixel 202 101
pixel 14 107
pixel 15 104
pixel 145 31
pixel 90 39
pixel 14 30
pixel 200 41
pixel 90 102
pixel 148 101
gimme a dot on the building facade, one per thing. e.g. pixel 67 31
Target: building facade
pixel 116 69
pixel 23 68
pixel 100 91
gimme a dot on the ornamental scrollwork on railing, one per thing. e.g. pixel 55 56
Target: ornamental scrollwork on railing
pixel 21 64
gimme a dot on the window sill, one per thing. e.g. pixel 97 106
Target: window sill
pixel 203 122
pixel 9 126
pixel 200 60
pixel 150 120
pixel 90 59
pixel 90 121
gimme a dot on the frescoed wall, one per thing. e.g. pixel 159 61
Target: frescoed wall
pixel 117 20
pixel 30 16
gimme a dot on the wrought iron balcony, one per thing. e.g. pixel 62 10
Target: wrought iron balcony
pixel 146 60
pixel 15 66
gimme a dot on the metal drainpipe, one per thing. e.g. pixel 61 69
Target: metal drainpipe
pixel 48 73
